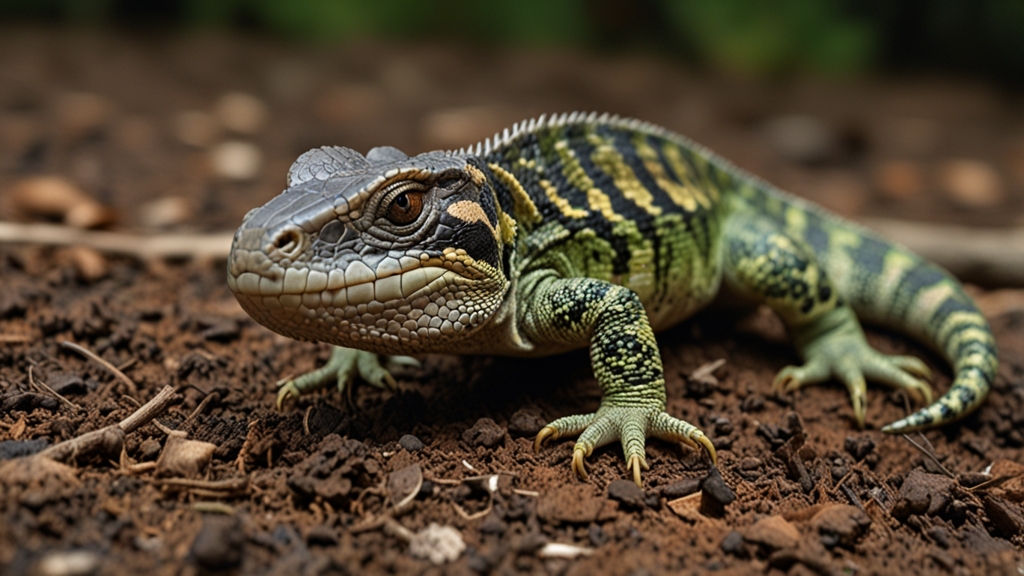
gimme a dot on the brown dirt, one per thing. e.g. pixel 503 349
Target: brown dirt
pixel 315 482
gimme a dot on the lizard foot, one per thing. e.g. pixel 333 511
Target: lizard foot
pixel 631 425
pixel 851 360
pixel 342 368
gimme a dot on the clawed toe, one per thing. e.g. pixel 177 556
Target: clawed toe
pixel 545 433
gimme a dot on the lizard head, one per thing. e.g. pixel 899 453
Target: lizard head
pixel 386 253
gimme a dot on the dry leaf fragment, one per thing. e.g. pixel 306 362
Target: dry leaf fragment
pixel 183 458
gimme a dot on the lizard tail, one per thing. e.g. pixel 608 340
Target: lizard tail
pixel 889 285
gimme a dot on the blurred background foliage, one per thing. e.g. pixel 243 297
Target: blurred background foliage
pixel 751 37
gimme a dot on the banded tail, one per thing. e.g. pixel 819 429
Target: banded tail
pixel 889 285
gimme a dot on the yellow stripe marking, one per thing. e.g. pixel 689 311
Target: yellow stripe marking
pixel 680 194
pixel 523 206
pixel 608 159
pixel 577 176
pixel 674 156
pixel 563 205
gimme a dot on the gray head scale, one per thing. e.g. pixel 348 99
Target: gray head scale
pixel 386 253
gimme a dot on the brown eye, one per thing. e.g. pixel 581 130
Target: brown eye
pixel 405 208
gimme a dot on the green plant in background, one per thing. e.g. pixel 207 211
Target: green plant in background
pixel 524 21
pixel 750 36
pixel 756 37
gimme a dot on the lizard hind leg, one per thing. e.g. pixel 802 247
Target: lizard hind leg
pixel 764 261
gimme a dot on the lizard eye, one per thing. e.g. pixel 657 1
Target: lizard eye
pixel 405 207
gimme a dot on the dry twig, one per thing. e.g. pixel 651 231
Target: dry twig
pixel 930 456
pixel 111 438
pixel 133 390
pixel 141 246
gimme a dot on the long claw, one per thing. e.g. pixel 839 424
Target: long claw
pixel 689 442
pixel 913 365
pixel 545 433
pixel 635 462
pixel 400 361
pixel 579 462
pixel 706 442
pixel 286 391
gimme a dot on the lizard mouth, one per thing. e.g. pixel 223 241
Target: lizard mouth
pixel 393 282
pixel 358 306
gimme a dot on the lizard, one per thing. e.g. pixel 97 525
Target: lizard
pixel 584 230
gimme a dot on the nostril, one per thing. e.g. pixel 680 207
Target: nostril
pixel 288 242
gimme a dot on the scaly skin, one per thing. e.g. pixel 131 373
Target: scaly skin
pixel 578 231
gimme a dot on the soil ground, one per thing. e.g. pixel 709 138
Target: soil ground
pixel 315 488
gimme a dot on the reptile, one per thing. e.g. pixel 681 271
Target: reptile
pixel 579 230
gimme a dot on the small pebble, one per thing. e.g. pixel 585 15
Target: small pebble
pixel 485 433
pixel 723 427
pixel 733 544
pixel 840 525
pixel 242 113
pixel 627 493
pixel 715 494
pixel 972 183
pixel 165 212
pixel 236 160
pixel 750 463
pixel 410 443
pixel 922 493
pixel 597 535
pixel 684 487
pixel 859 446
pixel 773 532
pixel 525 422
pixel 69 563
pixel 439 544
pixel 18 448
pixel 940 535
pixel 219 543
pixel 66 383
pixel 492 524
pixel 752 403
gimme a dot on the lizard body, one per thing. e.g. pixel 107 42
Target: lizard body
pixel 584 230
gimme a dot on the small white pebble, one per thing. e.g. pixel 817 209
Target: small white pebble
pixel 437 543
pixel 567 551
pixel 972 183
pixel 164 212
pixel 236 160
pixel 69 563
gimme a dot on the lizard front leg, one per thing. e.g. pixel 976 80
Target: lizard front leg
pixel 571 311
pixel 342 368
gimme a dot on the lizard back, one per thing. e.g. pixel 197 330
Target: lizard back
pixel 617 200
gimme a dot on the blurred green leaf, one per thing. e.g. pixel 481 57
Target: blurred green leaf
pixel 750 36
